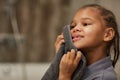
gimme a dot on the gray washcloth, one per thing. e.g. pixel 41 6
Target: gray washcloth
pixel 53 71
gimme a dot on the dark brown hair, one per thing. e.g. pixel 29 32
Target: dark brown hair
pixel 110 21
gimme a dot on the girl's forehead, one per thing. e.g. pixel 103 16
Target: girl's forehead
pixel 88 11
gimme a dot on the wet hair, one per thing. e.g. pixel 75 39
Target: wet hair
pixel 110 21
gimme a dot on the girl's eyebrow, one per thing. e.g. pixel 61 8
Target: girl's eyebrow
pixel 87 19
pixel 82 19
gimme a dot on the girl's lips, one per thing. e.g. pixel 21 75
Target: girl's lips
pixel 76 37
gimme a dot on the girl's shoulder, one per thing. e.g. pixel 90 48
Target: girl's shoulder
pixel 109 74
pixel 101 70
pixel 106 74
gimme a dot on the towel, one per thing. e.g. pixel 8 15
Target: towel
pixel 53 71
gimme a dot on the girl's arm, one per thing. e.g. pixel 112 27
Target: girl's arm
pixel 68 64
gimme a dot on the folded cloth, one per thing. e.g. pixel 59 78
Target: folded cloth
pixel 53 71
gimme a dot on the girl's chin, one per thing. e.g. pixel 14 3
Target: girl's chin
pixel 77 46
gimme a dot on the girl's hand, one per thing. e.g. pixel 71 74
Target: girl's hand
pixel 59 41
pixel 68 64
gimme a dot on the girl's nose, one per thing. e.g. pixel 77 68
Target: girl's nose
pixel 76 28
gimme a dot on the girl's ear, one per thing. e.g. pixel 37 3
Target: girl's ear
pixel 109 34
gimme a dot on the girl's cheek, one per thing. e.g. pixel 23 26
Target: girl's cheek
pixel 90 29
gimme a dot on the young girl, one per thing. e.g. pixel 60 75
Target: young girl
pixel 94 32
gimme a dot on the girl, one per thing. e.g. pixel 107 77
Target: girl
pixel 94 32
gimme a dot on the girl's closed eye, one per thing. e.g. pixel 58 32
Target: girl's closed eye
pixel 72 25
pixel 86 24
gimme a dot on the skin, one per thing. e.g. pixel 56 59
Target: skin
pixel 90 35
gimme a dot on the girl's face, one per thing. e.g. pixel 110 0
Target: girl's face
pixel 87 29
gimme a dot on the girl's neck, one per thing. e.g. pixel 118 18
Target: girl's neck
pixel 94 55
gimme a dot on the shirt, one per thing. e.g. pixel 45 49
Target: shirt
pixel 100 70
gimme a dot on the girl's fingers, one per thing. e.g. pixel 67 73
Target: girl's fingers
pixel 63 58
pixel 69 62
pixel 60 37
pixel 68 55
pixel 57 45
pixel 59 41
pixel 78 57
pixel 72 54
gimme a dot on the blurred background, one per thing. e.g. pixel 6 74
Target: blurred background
pixel 28 29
